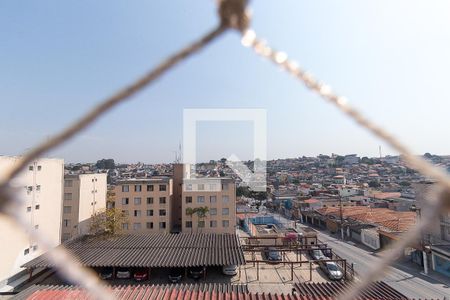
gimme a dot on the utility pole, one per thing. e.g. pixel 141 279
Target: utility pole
pixel 340 215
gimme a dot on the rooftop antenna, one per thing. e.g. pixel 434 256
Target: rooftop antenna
pixel 379 149
pixel 178 155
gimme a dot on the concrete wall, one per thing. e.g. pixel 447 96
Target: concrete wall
pixel 40 185
pixel 370 238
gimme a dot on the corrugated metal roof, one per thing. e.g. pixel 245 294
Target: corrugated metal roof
pixel 153 250
pixel 181 291
pixel 378 290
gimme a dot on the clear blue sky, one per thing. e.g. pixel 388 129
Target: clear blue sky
pixel 58 58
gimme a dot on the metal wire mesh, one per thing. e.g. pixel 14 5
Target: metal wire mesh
pixel 233 15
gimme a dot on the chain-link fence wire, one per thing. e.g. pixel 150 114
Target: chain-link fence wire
pixel 233 15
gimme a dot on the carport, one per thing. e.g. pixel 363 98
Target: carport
pixel 182 250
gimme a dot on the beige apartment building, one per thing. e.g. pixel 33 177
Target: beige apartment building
pixel 218 195
pixel 146 203
pixel 84 194
pixel 40 186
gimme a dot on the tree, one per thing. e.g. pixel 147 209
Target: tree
pixel 105 164
pixel 243 191
pixel 190 211
pixel 374 184
pixel 108 221
pixel 201 214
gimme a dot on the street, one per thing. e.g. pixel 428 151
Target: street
pixel 406 279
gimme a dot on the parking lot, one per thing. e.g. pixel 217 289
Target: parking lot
pixel 257 273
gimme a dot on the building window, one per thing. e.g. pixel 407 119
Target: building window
pixel 225 211
pixel 125 201
pixel 137 226
pixel 225 187
pixel 212 187
pixel 189 187
pixel 162 212
pixel 188 224
pixel 137 201
pixel 29 188
pixel 225 199
pixel 67 209
pixel 150 188
pixel 37 206
pixel 125 188
pixel 66 236
pixel 124 226
pixel 201 224
pixel 162 187
pixel 189 199
pixel 201 187
pixel 66 222
pixel 36 226
pixel 137 213
pixel 213 224
pixel 30 168
pixel 149 212
pixel 200 199
pixel 162 200
pixel 68 183
pixel 162 225
pixel 213 199
pixel 225 223
pixel 39 168
pixel 35 247
pixel 26 251
pixel 38 187
pixel 137 188
pixel 149 200
pixel 149 225
pixel 28 208
pixel 213 211
pixel 67 196
pixel 126 213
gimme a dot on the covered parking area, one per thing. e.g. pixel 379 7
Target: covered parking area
pixel 151 251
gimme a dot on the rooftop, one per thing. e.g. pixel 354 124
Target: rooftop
pixel 152 250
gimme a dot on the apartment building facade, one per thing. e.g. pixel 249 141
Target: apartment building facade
pixel 218 195
pixel 146 204
pixel 40 186
pixel 84 195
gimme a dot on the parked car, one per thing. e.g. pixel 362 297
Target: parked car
pixel 196 272
pixel 332 270
pixel 140 274
pixel 229 270
pixel 123 273
pixel 105 273
pixel 317 254
pixel 272 255
pixel 176 274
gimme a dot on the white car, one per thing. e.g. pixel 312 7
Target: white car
pixel 229 270
pixel 123 274
pixel 332 270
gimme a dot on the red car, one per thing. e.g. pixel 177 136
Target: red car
pixel 140 275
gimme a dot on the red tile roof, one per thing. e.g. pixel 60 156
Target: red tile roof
pixel 378 290
pixel 388 219
pixel 210 291
pixel 157 292
pixel 311 201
